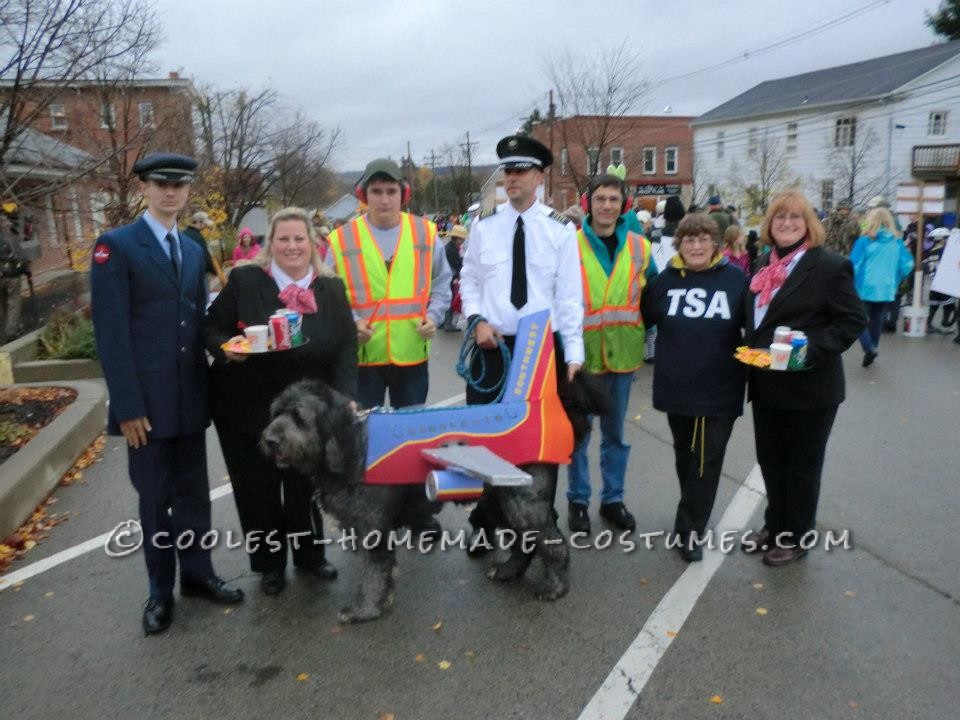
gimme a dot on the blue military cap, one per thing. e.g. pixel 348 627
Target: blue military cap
pixel 519 152
pixel 165 167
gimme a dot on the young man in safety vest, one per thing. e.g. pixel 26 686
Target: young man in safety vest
pixel 615 264
pixel 398 283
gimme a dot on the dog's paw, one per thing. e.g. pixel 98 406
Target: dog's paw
pixel 358 615
pixel 509 569
pixel 548 591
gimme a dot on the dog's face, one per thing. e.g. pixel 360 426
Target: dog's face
pixel 314 431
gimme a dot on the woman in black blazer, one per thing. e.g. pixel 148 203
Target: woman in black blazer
pixel 286 273
pixel 804 286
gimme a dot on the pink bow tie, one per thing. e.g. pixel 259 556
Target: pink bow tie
pixel 299 299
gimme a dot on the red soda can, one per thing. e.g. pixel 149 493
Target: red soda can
pixel 280 331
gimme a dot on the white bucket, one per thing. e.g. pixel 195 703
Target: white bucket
pixel 914 321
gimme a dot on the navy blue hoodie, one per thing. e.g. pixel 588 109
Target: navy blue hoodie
pixel 699 318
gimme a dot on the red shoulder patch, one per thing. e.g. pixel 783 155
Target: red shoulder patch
pixel 101 253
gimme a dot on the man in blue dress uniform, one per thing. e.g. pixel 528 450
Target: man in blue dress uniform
pixel 149 292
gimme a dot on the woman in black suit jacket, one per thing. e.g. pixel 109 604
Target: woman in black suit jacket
pixel 801 285
pixel 287 273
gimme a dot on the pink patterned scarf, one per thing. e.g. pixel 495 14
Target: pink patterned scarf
pixel 301 300
pixel 769 278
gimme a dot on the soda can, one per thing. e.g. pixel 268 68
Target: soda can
pixel 781 334
pixel 798 356
pixel 295 321
pixel 280 331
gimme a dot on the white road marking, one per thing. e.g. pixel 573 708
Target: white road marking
pixel 628 677
pixel 41 566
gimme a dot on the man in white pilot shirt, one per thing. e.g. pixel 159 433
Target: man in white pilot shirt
pixel 520 260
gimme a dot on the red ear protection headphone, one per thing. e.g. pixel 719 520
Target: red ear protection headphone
pixel 588 208
pixel 406 193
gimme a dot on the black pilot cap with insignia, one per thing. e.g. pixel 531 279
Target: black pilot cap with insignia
pixel 165 167
pixel 519 152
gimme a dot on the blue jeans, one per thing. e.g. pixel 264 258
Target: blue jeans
pixel 407 385
pixel 613 451
pixel 870 337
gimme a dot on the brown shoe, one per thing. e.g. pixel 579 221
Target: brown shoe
pixel 757 541
pixel 777 556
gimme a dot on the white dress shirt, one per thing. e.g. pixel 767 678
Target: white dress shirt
pixel 282 279
pixel 553 273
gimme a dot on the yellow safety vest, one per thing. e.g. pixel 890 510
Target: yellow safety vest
pixel 393 301
pixel 613 332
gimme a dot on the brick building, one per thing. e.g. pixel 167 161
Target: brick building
pixel 656 150
pixel 108 126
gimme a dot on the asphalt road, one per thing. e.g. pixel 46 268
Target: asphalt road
pixel 870 632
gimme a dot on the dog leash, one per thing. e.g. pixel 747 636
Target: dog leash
pixel 467 352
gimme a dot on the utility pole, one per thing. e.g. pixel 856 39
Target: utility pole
pixel 433 169
pixel 468 150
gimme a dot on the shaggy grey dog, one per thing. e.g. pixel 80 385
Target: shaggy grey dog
pixel 315 431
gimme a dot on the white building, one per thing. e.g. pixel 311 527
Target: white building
pixel 847 132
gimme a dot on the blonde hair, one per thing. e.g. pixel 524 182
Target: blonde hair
pixel 879 219
pixel 265 256
pixel 730 236
pixel 793 200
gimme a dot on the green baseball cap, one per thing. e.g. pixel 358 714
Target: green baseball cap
pixel 381 166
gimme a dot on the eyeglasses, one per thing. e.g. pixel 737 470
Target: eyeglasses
pixel 696 240
pixel 783 217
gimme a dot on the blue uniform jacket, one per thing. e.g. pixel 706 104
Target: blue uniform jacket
pixel 147 327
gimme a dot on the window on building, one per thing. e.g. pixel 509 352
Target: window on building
pixel 616 155
pixel 670 160
pixel 937 125
pixel 826 195
pixel 564 159
pixel 593 160
pixel 752 142
pixel 108 116
pixel 58 116
pixel 649 161
pixel 146 115
pixel 791 145
pixel 720 143
pixel 845 132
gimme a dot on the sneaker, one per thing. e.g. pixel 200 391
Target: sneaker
pixel 869 357
pixel 618 515
pixel 578 519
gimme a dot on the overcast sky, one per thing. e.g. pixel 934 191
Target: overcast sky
pixel 427 71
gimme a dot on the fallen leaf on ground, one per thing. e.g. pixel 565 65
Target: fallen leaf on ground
pixel 336 629
pixel 386 716
pixel 717 700
pixel 48 594
pixel 853 705
pixel 758 586
pixel 28 618
pixel 437 625
pixel 470 654
pixel 227 611
pixel 761 611
pixel 643 581
pixel 637 418
pixel 419 657
pixel 850 593
pixel 671 634
pixel 444 664
pixel 302 677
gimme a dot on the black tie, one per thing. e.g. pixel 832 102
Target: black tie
pixel 518 283
pixel 172 242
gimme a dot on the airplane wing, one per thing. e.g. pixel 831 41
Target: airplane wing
pixel 479 462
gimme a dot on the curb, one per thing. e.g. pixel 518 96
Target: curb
pixel 30 474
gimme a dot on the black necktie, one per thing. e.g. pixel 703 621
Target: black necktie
pixel 518 283
pixel 172 242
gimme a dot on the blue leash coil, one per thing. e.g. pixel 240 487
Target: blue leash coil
pixel 465 361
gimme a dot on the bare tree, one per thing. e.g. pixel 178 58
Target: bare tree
pixel 765 172
pixel 596 88
pixel 47 45
pixel 851 160
pixel 302 153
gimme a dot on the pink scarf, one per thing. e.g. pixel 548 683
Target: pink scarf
pixel 301 300
pixel 770 277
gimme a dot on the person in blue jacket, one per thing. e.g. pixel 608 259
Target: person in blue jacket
pixel 148 295
pixel 880 263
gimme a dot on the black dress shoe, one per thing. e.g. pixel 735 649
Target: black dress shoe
pixel 273 583
pixel 691 554
pixel 618 515
pixel 756 541
pixel 869 357
pixel 157 616
pixel 322 570
pixel 957 339
pixel 578 519
pixel 213 589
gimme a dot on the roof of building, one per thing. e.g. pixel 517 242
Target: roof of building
pixel 842 84
pixel 343 208
pixel 34 149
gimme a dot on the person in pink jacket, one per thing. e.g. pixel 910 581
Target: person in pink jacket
pixel 246 248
